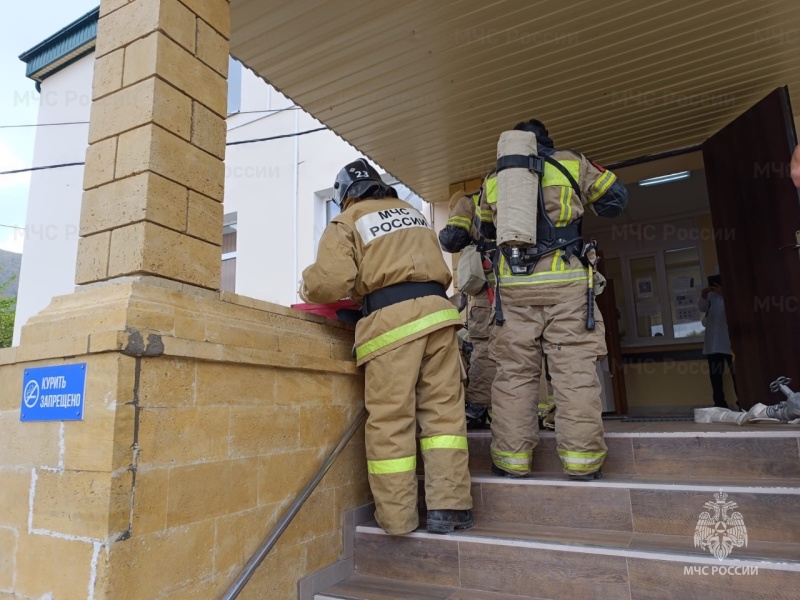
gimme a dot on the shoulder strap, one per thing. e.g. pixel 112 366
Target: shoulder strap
pixel 566 174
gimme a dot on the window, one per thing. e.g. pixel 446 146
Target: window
pixel 647 297
pixel 685 282
pixel 656 295
pixel 614 273
pixel 331 210
pixel 229 252
pixel 234 85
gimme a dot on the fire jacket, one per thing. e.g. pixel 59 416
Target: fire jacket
pixel 461 229
pixel 464 227
pixel 373 244
pixel 555 279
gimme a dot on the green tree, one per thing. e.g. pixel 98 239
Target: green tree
pixel 7 309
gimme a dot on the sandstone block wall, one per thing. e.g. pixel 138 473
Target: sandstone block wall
pixel 154 173
pixel 198 432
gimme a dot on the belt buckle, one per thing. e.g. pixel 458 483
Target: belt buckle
pixel 536 164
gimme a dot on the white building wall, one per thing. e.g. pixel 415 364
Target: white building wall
pixel 54 200
pixel 273 186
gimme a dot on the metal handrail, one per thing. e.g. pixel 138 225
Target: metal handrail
pixel 249 569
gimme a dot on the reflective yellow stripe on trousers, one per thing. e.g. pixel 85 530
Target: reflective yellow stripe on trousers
pixel 443 442
pixel 512 461
pixel 409 329
pixel 392 465
pixel 581 461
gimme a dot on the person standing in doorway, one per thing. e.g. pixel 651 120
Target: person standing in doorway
pixel 717 343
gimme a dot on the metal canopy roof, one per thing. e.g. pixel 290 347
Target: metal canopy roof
pixel 425 87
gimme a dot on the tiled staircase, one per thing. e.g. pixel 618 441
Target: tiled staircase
pixel 627 536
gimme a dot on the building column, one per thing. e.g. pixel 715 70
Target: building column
pixel 204 413
pixel 154 176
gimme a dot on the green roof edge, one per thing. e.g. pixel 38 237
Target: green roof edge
pixel 62 43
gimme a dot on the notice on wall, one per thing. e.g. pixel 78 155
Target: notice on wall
pixel 648 308
pixel 687 315
pixel 644 288
pixel 53 393
pixel 681 283
pixel 684 299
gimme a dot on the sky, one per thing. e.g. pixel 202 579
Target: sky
pixel 24 25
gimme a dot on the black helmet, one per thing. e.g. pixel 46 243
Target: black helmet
pixel 532 125
pixel 536 127
pixel 358 180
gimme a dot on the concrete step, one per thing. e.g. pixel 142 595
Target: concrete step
pixel 639 504
pixel 359 587
pixel 676 450
pixel 648 505
pixel 554 563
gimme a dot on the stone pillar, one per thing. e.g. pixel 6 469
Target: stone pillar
pixel 204 412
pixel 154 173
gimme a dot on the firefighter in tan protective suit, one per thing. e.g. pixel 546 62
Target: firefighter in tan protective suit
pixel 544 308
pixel 460 233
pixel 381 252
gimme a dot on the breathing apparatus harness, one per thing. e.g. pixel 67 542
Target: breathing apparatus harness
pixel 549 237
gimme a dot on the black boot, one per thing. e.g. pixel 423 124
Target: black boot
pixel 501 473
pixel 478 416
pixel 587 476
pixel 445 521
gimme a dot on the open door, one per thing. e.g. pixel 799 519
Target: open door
pixel 608 308
pixel 756 212
pixel 607 304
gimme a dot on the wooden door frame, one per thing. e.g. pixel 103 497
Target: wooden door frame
pixel 613 346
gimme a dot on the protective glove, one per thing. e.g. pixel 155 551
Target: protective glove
pixel 301 291
pixel 599 283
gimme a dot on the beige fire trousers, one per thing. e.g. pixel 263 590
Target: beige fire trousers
pixel 416 383
pixel 481 365
pixel 571 350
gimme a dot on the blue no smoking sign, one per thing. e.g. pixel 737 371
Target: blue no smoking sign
pixel 53 393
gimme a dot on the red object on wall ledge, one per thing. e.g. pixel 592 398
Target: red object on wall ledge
pixel 328 310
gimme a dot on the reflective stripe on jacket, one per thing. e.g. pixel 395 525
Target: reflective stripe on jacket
pixel 372 244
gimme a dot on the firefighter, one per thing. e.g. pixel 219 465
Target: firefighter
pixel 382 253
pixel 545 309
pixel 459 234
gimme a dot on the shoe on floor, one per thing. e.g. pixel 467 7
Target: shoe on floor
pixel 587 476
pixel 445 521
pixel 501 473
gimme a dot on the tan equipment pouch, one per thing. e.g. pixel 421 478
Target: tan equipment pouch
pixel 471 278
